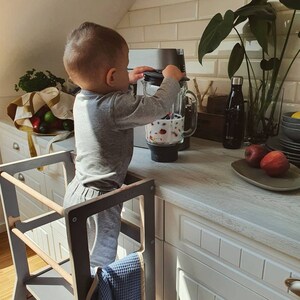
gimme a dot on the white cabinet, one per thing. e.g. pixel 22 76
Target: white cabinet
pixel 204 263
pixel 51 238
pixel 126 245
pixel 196 259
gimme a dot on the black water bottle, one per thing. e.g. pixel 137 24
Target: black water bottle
pixel 234 125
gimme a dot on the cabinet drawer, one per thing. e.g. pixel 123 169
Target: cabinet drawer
pixel 239 261
pixel 12 145
pixel 189 279
pixel 29 206
pixel 55 188
pixel 60 240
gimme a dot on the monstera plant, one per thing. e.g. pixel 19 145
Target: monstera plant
pixel 264 88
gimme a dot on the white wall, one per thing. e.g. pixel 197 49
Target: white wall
pixel 33 34
pixel 180 24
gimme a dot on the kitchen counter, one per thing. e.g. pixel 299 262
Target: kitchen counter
pixel 202 181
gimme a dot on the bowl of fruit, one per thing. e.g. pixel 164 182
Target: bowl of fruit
pixel 290 125
pixel 291 117
pixel 266 169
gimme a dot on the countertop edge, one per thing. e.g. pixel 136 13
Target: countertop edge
pixel 243 227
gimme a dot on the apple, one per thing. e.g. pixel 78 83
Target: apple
pixel 35 121
pixel 275 163
pixel 254 154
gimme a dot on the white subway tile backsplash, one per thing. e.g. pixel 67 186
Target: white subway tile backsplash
pixel 179 12
pixel 292 46
pixel 144 17
pixel 253 49
pixel 207 69
pixel 216 6
pixel 297 97
pixel 294 73
pixel 223 67
pixel 289 91
pixel 142 4
pixel 180 24
pixel 189 47
pixel 132 34
pixel 164 32
pixel 144 45
pixel 290 107
pixel 218 87
pixel 224 49
pixel 283 22
pixel 191 30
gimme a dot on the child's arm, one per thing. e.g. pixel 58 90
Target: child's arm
pixel 137 73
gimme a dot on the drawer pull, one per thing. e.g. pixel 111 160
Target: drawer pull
pixel 294 285
pixel 16 146
pixel 21 177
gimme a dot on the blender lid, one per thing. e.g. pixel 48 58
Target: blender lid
pixel 156 77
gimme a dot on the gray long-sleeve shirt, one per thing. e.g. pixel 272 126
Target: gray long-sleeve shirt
pixel 104 131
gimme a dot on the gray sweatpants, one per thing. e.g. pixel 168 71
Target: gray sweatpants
pixel 102 228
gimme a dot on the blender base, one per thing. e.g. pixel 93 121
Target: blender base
pixel 164 153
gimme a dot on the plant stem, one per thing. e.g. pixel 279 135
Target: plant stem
pixel 276 69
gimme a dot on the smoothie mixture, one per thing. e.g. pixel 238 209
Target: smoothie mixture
pixel 168 130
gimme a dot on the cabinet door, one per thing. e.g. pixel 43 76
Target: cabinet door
pixel 60 241
pixel 127 245
pixel 213 260
pixel 30 207
pixel 42 236
pixel 131 213
pixel 189 279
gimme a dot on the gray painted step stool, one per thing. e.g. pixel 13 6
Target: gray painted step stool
pixel 70 279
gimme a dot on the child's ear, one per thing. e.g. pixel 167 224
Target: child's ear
pixel 110 77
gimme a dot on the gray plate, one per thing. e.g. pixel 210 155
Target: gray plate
pixel 288 182
pixel 274 144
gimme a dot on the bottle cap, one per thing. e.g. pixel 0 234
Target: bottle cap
pixel 237 80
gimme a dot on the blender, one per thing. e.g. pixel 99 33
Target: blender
pixel 185 105
pixel 166 135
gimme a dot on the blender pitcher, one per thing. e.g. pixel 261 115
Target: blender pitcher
pixel 165 135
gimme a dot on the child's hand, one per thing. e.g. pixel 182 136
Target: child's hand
pixel 172 71
pixel 137 73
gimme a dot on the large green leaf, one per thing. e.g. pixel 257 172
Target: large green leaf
pixel 215 32
pixel 261 10
pixel 291 4
pixel 235 59
pixel 260 29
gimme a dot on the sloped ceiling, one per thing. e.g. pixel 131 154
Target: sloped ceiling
pixel 33 33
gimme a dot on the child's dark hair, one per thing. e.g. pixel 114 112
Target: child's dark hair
pixel 90 47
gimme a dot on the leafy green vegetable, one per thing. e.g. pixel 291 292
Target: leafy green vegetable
pixel 36 81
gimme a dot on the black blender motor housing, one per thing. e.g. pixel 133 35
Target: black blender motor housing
pixel 163 153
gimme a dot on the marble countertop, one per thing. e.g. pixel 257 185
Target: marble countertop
pixel 203 182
